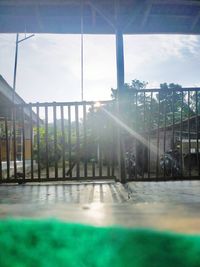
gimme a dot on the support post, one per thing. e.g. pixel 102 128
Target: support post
pixel 15 67
pixel 16 55
pixel 120 88
pixel 120 60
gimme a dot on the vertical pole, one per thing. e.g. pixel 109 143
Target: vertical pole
pixel 15 67
pixel 13 93
pixel 120 60
pixel 82 51
pixel 120 88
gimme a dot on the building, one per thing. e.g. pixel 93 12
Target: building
pixel 12 121
pixel 182 136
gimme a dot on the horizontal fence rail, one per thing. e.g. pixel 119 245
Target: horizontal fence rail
pixel 160 131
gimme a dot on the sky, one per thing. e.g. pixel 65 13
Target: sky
pixel 49 67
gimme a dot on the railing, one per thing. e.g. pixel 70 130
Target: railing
pixel 160 130
pixel 164 137
pixel 56 141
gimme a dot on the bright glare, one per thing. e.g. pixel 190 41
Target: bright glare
pixel 144 141
pixel 97 105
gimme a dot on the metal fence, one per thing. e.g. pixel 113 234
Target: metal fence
pixel 56 141
pixel 79 140
pixel 164 137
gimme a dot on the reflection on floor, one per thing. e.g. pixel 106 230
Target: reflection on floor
pixel 161 205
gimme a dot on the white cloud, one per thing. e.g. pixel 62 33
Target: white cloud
pixel 145 53
pixel 49 65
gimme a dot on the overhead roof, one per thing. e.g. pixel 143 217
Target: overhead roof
pixel 99 16
pixel 6 99
pixel 6 94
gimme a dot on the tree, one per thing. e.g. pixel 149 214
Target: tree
pixel 174 103
pixel 148 110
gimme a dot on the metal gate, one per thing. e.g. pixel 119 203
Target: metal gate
pixel 160 130
pixel 162 141
pixel 56 141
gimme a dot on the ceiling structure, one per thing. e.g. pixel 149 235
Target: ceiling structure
pixel 100 16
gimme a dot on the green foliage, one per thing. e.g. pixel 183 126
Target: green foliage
pixel 174 101
pixel 101 132
pixel 54 153
pixel 62 147
pixel 128 88
pixel 142 110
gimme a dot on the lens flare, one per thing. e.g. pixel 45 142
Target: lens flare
pixel 133 133
pixel 97 104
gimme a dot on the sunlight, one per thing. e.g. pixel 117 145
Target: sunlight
pixel 97 104
pixel 133 133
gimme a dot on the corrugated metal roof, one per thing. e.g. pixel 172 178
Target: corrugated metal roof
pixel 134 16
pixel 176 10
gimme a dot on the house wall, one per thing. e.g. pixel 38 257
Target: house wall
pixel 3 150
pixel 147 154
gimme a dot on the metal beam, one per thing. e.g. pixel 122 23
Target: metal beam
pixel 102 13
pixel 178 2
pixel 133 16
pixel 171 16
pixel 38 2
pixel 41 16
pixel 147 11
pixel 195 21
pixel 76 2
pixel 93 17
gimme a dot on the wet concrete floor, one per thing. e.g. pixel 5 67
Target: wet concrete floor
pixel 160 205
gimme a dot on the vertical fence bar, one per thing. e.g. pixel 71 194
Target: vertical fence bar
pixel 173 147
pixel 100 162
pixel 100 150
pixel 144 133
pixel 149 137
pixel 113 153
pixel 197 130
pixel 164 138
pixel 14 141
pixel 100 136
pixel 55 140
pixel 189 135
pixel 108 159
pixel 69 141
pixel 181 136
pixel 77 142
pixel 7 145
pixel 93 121
pixel 108 166
pixel 93 169
pixel 136 124
pixel 1 178
pixel 63 140
pixel 47 141
pixel 31 139
pixel 38 140
pixel 23 142
pixel 85 154
pixel 158 138
pixel 109 156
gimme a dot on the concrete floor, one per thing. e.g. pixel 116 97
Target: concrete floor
pixel 160 205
